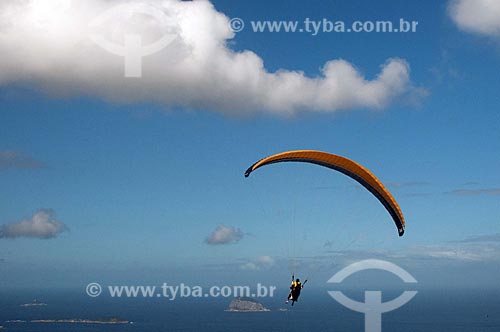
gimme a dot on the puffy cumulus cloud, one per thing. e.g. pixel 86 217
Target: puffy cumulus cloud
pixel 54 45
pixel 17 160
pixel 41 225
pixel 224 235
pixel 479 16
pixel 260 263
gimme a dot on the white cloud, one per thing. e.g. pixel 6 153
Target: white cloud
pixel 260 263
pixel 464 251
pixel 481 238
pixel 478 16
pixel 46 44
pixel 472 249
pixel 453 253
pixel 224 235
pixel 41 225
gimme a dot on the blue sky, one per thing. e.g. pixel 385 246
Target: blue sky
pixel 142 183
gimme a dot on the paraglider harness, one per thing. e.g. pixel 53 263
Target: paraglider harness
pixel 295 289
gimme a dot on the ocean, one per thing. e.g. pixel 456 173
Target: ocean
pixel 430 310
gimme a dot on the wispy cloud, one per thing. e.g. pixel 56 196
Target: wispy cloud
pixel 42 225
pixel 248 264
pixel 412 185
pixel 480 238
pixel 475 192
pixel 45 42
pixel 224 235
pixel 445 69
pixel 471 249
pixel 18 160
pixel 417 194
pixel 398 185
pixel 457 253
pixel 470 183
pixel 477 16
pixel 260 263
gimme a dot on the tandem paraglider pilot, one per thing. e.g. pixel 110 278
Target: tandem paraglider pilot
pixel 295 289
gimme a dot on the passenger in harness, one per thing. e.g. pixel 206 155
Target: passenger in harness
pixel 295 289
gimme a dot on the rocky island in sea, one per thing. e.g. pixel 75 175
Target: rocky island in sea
pixel 35 303
pixel 113 320
pixel 245 304
pixel 83 321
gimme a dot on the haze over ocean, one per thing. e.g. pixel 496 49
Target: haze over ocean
pixel 436 310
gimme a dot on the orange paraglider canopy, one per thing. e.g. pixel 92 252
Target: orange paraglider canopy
pixel 346 166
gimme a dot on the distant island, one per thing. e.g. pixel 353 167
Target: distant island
pixel 35 303
pixel 113 320
pixel 244 304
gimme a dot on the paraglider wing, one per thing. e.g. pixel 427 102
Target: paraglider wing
pixel 346 166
